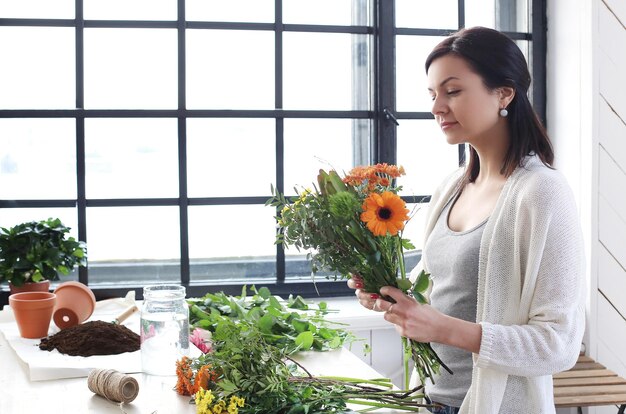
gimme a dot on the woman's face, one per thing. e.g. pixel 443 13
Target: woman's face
pixel 463 107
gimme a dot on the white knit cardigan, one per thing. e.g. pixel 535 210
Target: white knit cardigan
pixel 531 290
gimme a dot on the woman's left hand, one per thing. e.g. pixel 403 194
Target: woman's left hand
pixel 413 320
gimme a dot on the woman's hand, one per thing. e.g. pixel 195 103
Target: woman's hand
pixel 366 299
pixel 424 323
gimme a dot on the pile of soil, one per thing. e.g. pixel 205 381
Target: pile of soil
pixel 92 338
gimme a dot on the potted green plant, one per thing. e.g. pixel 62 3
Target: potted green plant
pixel 36 252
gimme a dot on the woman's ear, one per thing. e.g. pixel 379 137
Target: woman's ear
pixel 506 95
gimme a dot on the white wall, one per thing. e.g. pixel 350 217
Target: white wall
pixel 587 121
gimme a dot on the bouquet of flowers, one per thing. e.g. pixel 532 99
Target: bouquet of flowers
pixel 353 225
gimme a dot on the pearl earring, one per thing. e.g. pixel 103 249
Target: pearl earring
pixel 503 112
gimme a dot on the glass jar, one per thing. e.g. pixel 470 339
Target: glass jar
pixel 164 328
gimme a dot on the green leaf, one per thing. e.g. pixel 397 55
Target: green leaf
pixel 298 303
pixel 307 392
pixel 422 282
pixel 420 298
pixel 335 343
pixel 275 303
pixel 407 245
pixel 265 323
pixel 304 340
pixel 226 385
pixel 274 312
pixel 265 293
pixel 404 284
pixel 300 325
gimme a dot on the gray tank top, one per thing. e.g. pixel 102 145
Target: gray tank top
pixel 452 259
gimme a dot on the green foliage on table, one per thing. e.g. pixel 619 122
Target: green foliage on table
pixel 248 366
pixel 291 326
pixel 38 250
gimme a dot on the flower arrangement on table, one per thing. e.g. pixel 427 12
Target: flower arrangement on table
pixel 247 366
pixel 353 225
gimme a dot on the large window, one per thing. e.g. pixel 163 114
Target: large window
pixel 154 128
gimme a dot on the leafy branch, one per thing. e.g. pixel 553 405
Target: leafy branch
pixel 290 326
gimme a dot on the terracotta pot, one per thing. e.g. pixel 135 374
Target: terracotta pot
pixel 42 286
pixel 33 311
pixel 75 304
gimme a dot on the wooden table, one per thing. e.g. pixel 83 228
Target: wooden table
pixel 589 384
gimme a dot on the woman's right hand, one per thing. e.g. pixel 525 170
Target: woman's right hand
pixel 366 299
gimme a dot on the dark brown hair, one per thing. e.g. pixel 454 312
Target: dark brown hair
pixel 500 63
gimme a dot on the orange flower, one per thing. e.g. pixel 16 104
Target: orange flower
pixel 184 373
pixel 379 174
pixel 384 213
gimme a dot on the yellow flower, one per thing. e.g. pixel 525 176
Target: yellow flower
pixel 219 408
pixel 204 398
pixel 384 213
pixel 240 401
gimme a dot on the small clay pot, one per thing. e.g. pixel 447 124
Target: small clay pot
pixel 75 304
pixel 42 286
pixel 32 312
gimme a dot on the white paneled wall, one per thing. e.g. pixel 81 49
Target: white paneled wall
pixel 610 316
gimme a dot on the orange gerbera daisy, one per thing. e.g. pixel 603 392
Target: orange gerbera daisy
pixel 384 213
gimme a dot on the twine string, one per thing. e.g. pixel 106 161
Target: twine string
pixel 113 385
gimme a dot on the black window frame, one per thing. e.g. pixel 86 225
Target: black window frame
pixel 383 117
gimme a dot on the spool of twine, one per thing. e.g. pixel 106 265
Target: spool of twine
pixel 113 385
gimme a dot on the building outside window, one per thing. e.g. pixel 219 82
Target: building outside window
pixel 155 128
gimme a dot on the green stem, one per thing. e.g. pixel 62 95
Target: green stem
pixel 384 382
pixel 384 405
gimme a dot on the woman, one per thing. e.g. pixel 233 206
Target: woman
pixel 503 243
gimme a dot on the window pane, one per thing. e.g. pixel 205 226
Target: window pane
pixel 233 242
pixel 131 158
pixel 230 69
pixel 37 9
pixel 425 155
pixel 259 11
pixel 38 67
pixel 329 12
pixel 411 82
pixel 414 230
pixel 130 9
pixel 230 157
pixel 318 71
pixel 37 159
pixel 418 14
pixel 311 144
pixel 131 68
pixel 480 13
pixel 135 245
pixel 526 48
pixel 513 15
